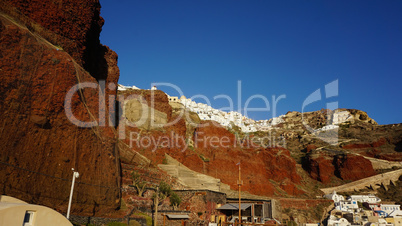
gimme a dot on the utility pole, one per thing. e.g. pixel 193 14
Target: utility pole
pixel 75 175
pixel 156 203
pixel 240 184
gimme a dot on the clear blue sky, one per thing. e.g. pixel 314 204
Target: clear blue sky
pixel 276 48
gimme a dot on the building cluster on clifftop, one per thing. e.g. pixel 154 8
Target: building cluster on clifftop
pixel 247 125
pixel 235 119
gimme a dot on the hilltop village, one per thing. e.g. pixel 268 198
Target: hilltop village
pixel 246 125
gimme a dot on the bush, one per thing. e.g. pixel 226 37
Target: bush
pixel 116 224
pixel 175 200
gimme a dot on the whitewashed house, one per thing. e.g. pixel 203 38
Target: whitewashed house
pixel 390 209
pixel 341 117
pixel 371 199
pixel 334 196
pixel 334 221
pixel 348 206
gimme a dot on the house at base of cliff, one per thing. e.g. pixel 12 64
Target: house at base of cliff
pixel 14 212
pixel 252 211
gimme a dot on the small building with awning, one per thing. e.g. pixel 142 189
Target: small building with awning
pixel 252 210
pixel 177 216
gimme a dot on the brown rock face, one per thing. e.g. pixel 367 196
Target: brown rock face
pixel 258 165
pixel 156 99
pixel 347 167
pixel 73 25
pixel 216 151
pixel 380 142
pixel 321 169
pixel 352 167
pixel 39 144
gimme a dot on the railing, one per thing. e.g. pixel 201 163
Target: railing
pixel 244 223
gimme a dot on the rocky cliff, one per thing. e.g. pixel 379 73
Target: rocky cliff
pixel 269 159
pixel 46 48
pixel 205 146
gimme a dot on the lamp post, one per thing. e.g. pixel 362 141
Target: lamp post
pixel 75 175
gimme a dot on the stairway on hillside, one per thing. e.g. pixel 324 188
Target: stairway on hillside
pixel 198 181
pixel 191 179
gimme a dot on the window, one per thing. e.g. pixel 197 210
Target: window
pixel 29 218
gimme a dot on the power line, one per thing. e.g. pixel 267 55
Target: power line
pixel 64 179
pixel 79 182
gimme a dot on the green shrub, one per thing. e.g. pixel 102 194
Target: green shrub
pixel 116 224
pixel 175 200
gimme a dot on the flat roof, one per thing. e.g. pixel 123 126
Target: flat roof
pixel 177 216
pixel 250 199
pixel 234 206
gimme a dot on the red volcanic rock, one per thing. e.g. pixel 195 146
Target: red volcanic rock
pixel 346 167
pixel 356 146
pixel 280 165
pixel 353 167
pixel 258 167
pixel 310 148
pixel 397 157
pixel 216 153
pixel 321 169
pixel 39 144
pixel 73 25
pixel 374 153
pixel 382 141
pixel 303 204
pixel 290 188
pixel 210 134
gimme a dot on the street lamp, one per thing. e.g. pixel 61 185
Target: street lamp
pixel 75 175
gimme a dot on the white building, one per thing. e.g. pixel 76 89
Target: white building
pixel 391 210
pixel 371 199
pixel 16 212
pixel 348 206
pixel 334 196
pixel 206 112
pixel 173 99
pixel 341 117
pixel 326 128
pixel 334 221
pixel 123 88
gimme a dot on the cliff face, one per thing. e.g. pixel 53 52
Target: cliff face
pixel 208 148
pixel 262 168
pixel 73 25
pixel 38 142
pixel 270 170
pixel 325 167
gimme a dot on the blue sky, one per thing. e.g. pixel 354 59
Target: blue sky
pixel 274 48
